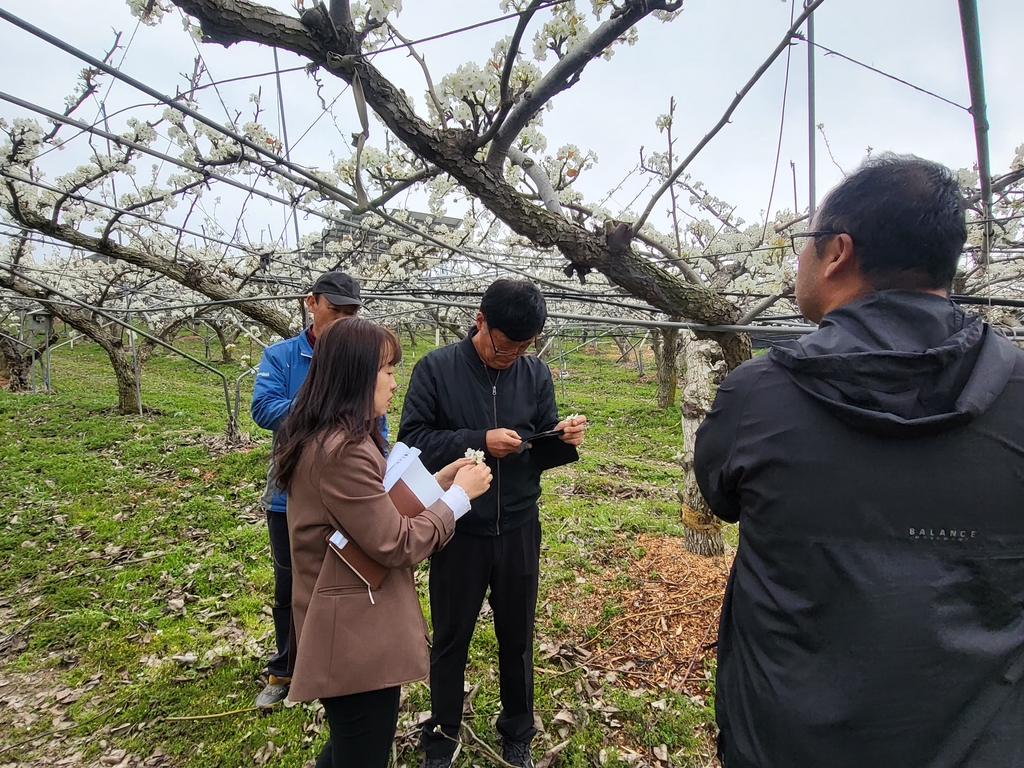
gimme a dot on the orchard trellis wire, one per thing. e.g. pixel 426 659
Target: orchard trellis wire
pixel 422 291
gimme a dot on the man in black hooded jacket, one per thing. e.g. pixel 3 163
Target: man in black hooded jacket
pixel 875 611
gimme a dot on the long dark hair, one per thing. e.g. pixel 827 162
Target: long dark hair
pixel 337 395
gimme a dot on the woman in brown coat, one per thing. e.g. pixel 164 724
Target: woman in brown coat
pixel 355 647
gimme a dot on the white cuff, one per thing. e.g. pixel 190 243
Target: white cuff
pixel 457 501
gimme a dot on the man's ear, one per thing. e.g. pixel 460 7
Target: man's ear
pixel 311 302
pixel 480 321
pixel 839 258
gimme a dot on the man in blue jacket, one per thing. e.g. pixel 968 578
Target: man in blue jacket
pixel 335 295
pixel 874 615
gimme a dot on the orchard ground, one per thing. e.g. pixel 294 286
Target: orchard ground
pixel 135 580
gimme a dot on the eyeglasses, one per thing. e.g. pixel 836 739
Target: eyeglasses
pixel 797 248
pixel 519 349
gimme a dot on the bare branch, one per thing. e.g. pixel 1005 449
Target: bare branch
pixel 677 172
pixel 423 65
pixel 787 224
pixel 751 314
pixel 400 185
pixel 505 96
pixel 999 183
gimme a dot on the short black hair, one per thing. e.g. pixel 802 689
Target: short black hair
pixel 906 218
pixel 514 307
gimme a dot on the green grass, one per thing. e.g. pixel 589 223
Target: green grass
pixel 134 572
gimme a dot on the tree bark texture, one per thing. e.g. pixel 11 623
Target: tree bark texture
pixel 666 353
pixel 226 342
pixel 124 371
pixel 702 530
pixel 16 364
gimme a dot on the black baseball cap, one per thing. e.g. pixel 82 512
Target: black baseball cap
pixel 338 288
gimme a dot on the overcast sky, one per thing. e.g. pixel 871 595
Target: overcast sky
pixel 701 59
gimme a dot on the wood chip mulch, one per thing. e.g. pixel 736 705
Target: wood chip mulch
pixel 666 620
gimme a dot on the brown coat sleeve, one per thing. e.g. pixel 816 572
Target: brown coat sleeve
pixel 352 492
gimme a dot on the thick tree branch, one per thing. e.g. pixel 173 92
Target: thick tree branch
pixel 229 21
pixel 78 319
pixel 191 276
pixel 751 314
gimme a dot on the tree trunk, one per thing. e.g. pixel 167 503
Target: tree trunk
pixel 124 370
pixel 16 363
pixel 703 531
pixel 227 344
pixel 109 339
pixel 666 350
pixel 625 346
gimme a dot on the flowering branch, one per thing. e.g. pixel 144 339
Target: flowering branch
pixel 567 72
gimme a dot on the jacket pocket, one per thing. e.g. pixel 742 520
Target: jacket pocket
pixel 348 589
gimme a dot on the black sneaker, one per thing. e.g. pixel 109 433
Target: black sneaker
pixel 437 762
pixel 517 753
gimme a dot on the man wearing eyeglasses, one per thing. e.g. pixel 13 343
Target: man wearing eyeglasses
pixel 874 615
pixel 484 393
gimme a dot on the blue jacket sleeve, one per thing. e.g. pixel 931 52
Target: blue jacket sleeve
pixel 419 426
pixel 270 400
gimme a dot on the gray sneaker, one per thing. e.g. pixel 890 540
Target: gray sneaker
pixel 517 753
pixel 274 693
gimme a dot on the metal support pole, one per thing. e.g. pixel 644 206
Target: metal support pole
pixel 976 81
pixel 284 136
pixel 811 127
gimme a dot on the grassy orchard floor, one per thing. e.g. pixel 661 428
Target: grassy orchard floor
pixel 135 577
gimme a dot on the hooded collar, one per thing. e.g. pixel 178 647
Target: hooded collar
pixel 901 363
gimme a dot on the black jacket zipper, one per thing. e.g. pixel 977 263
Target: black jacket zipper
pixel 497 461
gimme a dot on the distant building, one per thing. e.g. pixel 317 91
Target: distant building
pixel 368 246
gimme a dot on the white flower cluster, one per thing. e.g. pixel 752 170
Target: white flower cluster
pixel 141 132
pixel 258 134
pixel 149 12
pixel 23 139
pixel 378 10
pixel 566 30
pixel 477 457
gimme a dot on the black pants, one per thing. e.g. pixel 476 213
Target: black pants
pixel 459 577
pixel 362 729
pixel 277 524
